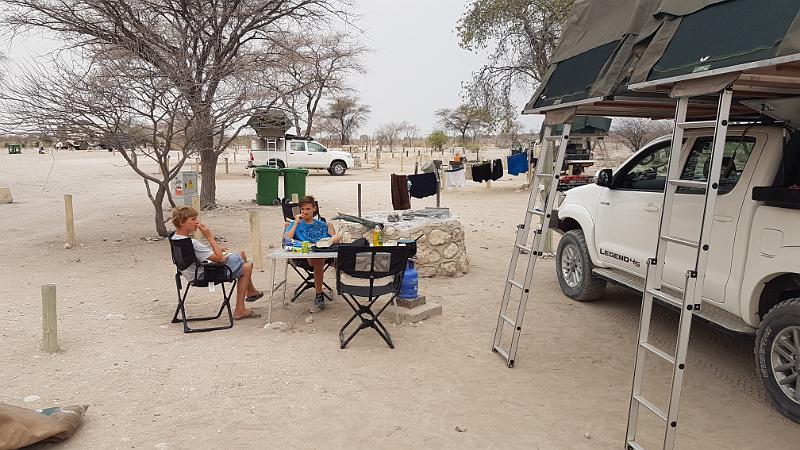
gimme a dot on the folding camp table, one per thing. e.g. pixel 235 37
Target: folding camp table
pixel 285 257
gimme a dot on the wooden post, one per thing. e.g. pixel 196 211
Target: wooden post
pixel 70 221
pixel 255 239
pixel 378 157
pixel 401 162
pixel 226 167
pixel 49 319
pixel 196 206
pixel 359 199
pixel 234 157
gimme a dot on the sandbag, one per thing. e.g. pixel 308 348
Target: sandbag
pixel 20 427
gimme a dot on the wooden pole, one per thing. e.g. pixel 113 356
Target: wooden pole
pixel 196 206
pixel 234 157
pixel 49 319
pixel 401 162
pixel 378 157
pixel 359 199
pixel 226 167
pixel 70 221
pixel 255 239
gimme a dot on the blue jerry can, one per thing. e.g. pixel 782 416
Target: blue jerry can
pixel 410 285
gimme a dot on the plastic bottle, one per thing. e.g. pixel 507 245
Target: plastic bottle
pixel 377 237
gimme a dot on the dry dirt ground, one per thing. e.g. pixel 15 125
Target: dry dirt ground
pixel 151 386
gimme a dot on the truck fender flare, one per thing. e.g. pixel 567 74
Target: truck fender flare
pixel 581 215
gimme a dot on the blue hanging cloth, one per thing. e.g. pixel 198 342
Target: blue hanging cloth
pixel 517 163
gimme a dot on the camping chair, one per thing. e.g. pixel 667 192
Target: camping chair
pixel 373 264
pixel 215 273
pixel 301 266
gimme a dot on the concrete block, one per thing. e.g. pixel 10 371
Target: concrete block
pixel 5 195
pixel 411 304
pixel 419 313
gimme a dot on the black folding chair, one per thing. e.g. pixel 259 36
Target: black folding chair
pixel 205 272
pixel 301 266
pixel 384 265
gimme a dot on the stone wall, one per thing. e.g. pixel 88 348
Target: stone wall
pixel 441 250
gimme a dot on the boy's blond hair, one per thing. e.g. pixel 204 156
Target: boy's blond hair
pixel 181 214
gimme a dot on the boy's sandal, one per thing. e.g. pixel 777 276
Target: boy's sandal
pixel 254 297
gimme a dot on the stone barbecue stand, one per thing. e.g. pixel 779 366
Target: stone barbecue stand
pixel 441 250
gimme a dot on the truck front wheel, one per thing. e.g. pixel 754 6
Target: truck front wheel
pixel 778 357
pixel 337 168
pixel 574 268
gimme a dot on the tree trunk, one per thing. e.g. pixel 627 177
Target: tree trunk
pixel 158 204
pixel 208 166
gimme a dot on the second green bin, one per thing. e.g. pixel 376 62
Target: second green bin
pixel 294 182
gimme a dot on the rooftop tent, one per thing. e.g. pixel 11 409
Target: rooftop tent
pixel 594 56
pixel 270 123
pixel 753 43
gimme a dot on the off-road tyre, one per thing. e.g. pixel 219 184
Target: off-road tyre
pixel 338 168
pixel 573 257
pixel 782 321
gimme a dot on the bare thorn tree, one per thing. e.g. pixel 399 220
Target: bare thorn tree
pixel 634 133
pixel 319 66
pixel 345 115
pixel 198 46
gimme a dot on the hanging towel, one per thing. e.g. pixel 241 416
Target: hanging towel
pixel 400 199
pixel 423 185
pixel 497 170
pixel 517 164
pixel 455 178
pixel 482 172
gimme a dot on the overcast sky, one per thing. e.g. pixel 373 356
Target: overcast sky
pixel 416 66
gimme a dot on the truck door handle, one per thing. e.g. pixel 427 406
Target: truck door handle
pixel 651 208
pixel 723 218
pixel 605 203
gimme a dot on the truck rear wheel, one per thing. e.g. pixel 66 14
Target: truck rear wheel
pixel 574 268
pixel 777 354
pixel 337 168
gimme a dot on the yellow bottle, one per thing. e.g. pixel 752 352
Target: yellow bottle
pixel 377 238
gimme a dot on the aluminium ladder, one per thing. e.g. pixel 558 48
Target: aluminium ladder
pixel 695 276
pixel 272 152
pixel 536 249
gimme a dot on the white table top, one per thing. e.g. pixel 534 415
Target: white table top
pixel 282 254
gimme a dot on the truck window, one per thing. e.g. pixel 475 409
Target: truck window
pixel 649 172
pixel 737 152
pixel 314 147
pixel 298 146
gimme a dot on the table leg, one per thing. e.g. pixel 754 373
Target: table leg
pixel 285 280
pixel 271 292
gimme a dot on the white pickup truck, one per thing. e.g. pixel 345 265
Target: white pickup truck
pixel 752 282
pixel 300 153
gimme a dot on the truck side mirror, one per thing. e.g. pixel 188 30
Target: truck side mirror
pixel 604 178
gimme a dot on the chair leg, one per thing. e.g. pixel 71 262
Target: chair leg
pixel 226 304
pixel 368 320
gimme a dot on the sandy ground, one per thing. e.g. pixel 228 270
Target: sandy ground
pixel 151 386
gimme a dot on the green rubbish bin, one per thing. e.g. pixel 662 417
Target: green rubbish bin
pixel 14 149
pixel 294 182
pixel 267 185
